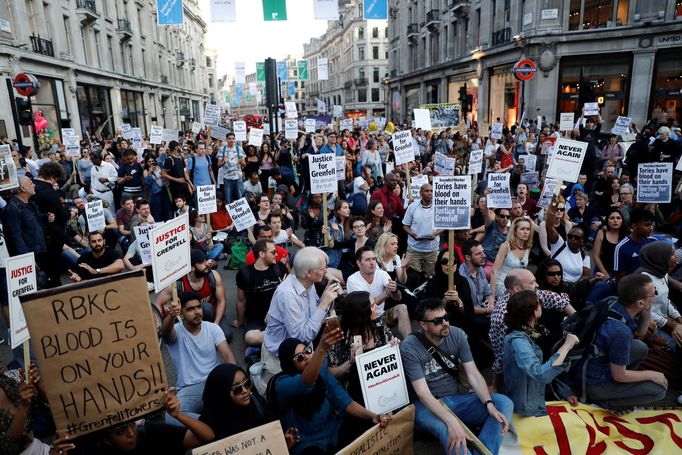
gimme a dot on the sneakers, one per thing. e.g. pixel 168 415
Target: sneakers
pixel 150 287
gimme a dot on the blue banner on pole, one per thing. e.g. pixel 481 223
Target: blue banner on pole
pixel 169 12
pixel 375 10
pixel 282 71
pixel 292 89
pixel 239 92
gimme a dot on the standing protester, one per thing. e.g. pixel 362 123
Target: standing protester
pixel 422 241
pixel 130 176
pixel 232 159
pixel 103 178
pixel 174 172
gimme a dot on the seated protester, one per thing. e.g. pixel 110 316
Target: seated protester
pixel 109 232
pixel 512 254
pixel 311 400
pixel 433 376
pixel 496 230
pixel 196 347
pixel 569 252
pixel 613 380
pixel 181 206
pixel 100 261
pixel 657 260
pixel 359 239
pixel 208 284
pixel 472 269
pixel 359 199
pixel 526 375
pixel 613 231
pixel 279 204
pixel 586 217
pixel 143 216
pixel 381 287
pixel 232 405
pixel 388 260
pixel 131 439
pixel 221 219
pixel 586 291
pixel 265 232
pixel 256 283
pixel 202 238
pixel 282 237
pixel 133 261
pixel 559 219
pixel 252 187
pixel 518 280
pixel 626 254
pixel 124 216
pixel 312 220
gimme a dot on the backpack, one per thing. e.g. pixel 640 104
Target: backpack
pixel 246 273
pixel 211 283
pixel 585 324
pixel 271 395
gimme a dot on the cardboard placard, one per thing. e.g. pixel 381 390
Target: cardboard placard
pixel 212 115
pixel 241 214
pixel 340 168
pixel 442 165
pixel 452 202
pixel 206 199
pixel 170 251
pixel 144 248
pixel 416 184
pixel 591 109
pixel 567 159
pixel 566 120
pixel 94 213
pixel 265 439
pixel 337 111
pixel 8 171
pixel 654 182
pixel 403 147
pixel 500 195
pixel 382 379
pixel 322 173
pixel 475 162
pixel 21 280
pixel 156 134
pixel 96 342
pixel 548 190
pixel 239 130
pixel 310 125
pixel 291 129
pixel 422 119
pixel 395 439
pixel 496 132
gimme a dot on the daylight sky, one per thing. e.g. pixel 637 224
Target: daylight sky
pixel 250 39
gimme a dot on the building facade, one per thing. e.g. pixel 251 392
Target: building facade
pixel 102 63
pixel 357 53
pixel 624 54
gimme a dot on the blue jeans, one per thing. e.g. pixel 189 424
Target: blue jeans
pixel 233 190
pixel 471 412
pixel 216 251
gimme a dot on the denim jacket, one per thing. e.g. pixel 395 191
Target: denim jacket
pixel 525 375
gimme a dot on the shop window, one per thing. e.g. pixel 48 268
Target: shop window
pixel 597 14
pixel 667 90
pixel 651 9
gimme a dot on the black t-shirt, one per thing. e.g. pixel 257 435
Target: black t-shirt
pixel 154 438
pixel 175 166
pixel 259 286
pixel 107 258
pixel 135 171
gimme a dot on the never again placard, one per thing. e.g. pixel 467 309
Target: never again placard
pixel 96 345
pixel 382 379
pixel 451 202
pixel 567 159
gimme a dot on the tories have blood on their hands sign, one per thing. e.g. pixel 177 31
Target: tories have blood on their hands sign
pixel 170 251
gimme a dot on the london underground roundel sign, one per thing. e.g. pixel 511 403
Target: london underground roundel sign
pixel 26 84
pixel 524 70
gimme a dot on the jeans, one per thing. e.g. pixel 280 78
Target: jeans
pixel 216 251
pixel 233 190
pixel 472 412
pixel 209 315
pixel 191 403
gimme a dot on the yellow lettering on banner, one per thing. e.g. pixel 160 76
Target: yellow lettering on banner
pixel 586 429
pixel 266 439
pixel 396 438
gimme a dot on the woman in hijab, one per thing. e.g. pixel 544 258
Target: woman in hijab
pixel 656 260
pixel 310 399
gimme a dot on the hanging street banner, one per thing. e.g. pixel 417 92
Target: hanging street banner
pixel 500 195
pixel 326 10
pixel 282 74
pixel 452 202
pixel 169 12
pixel 442 116
pixel 322 173
pixel 567 160
pixel 322 69
pixel 170 251
pixel 382 379
pixel 274 10
pixel 239 73
pixel 223 11
pixel 260 71
pixel 654 182
pixel 241 214
pixel 21 280
pixel 206 199
pixel 403 147
pixel 302 70
pixel 375 10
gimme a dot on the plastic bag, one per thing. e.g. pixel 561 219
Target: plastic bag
pixel 239 251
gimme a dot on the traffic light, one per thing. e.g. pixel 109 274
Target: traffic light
pixel 24 111
pixel 468 103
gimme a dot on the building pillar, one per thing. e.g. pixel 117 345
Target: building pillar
pixel 422 92
pixel 483 93
pixel 403 102
pixel 641 79
pixel 443 95
pixel 543 95
pixel 116 107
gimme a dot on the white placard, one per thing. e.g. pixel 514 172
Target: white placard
pixel 223 11
pixel 8 170
pixel 170 251
pixel 531 162
pixel 567 159
pixel 452 202
pixel 256 137
pixel 500 194
pixel 291 128
pixel 196 127
pixel 552 13
pixel 346 124
pixel 591 109
pixel 321 106
pixel 156 134
pixel 442 165
pixel 322 69
pixel 239 73
pixel 654 182
pixel 679 165
pixel 94 213
pixel 137 139
pixel 127 131
pixel 239 130
pixel 338 111
pixel 416 183
pixel 266 128
pixel 527 18
pixel 475 162
pixel 326 10
pixel 310 125
pixel 144 248
pixel 72 147
pixel 290 109
pixel 68 132
pixel 549 190
pixel 21 280
pixel 219 132
pixel 322 173
pixel 211 115
pixel 241 214
pixel 531 179
pixel 206 199
pixel 168 135
pixel 422 119
pixel 403 147
pixel 340 168
pixel 496 131
pixel 382 379
pixel 566 120
pixel 622 126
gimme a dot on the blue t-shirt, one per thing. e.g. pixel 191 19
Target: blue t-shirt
pixel 201 174
pixel 492 241
pixel 626 254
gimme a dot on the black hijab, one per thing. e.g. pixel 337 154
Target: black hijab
pixel 306 405
pixel 654 257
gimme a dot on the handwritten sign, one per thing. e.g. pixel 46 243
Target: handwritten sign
pixel 211 115
pixel 96 342
pixel 206 199
pixel 144 248
pixel 265 439
pixel 403 147
pixel 549 190
pixel 241 214
pixel 156 134
pixel 94 213
pixel 256 137
pixel 451 202
pixel 499 196
pixel 21 280
pixel 322 173
pixel 8 171
pixel 170 251
pixel 395 439
pixel 475 162
pixel 654 182
pixel 567 160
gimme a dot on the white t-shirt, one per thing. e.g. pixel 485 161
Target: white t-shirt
pixel 195 356
pixel 282 238
pixel 357 283
pixel 572 263
pixel 420 220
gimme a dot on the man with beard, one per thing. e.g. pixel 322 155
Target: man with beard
pixel 100 261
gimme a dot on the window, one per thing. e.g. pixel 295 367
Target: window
pixel 678 8
pixel 362 95
pixel 361 73
pixel 67 34
pixel 144 65
pixel 593 14
pixel 130 60
pixel 652 9
pixel 375 74
pixel 110 46
pixel 375 52
pixel 361 53
pixel 98 51
pixel 375 95
pixel 84 34
pixel 361 32
pixel 386 32
pixel 105 7
pixel 375 32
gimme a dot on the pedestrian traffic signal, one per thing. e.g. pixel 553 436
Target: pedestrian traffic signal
pixel 24 111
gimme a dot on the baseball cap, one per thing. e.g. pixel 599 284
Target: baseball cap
pixel 198 256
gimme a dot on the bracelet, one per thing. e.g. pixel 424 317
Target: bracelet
pixel 485 403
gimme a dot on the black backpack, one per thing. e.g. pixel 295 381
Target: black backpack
pixel 584 324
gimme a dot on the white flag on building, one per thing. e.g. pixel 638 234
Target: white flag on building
pixel 326 10
pixel 223 11
pixel 322 69
pixel 239 73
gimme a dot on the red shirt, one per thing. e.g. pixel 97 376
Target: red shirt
pixel 281 253
pixel 391 202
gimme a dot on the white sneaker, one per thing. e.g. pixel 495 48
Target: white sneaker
pixel 150 287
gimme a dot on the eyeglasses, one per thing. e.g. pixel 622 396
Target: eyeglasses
pixel 358 226
pixel 557 273
pixel 239 388
pixel 574 237
pixel 626 194
pixel 438 320
pixel 300 357
pixel 504 216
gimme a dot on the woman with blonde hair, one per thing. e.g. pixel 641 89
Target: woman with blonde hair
pixel 513 254
pixel 386 251
pixel 561 222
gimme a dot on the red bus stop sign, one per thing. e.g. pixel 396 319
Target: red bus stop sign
pixel 26 84
pixel 524 70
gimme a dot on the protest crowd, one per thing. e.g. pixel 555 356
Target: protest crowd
pixel 490 318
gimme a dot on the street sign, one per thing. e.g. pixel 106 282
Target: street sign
pixel 26 84
pixel 524 70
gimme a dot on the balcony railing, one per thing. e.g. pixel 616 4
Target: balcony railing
pixel 88 8
pixel 432 17
pixel 124 27
pixel 361 81
pixel 412 29
pixel 502 36
pixel 42 45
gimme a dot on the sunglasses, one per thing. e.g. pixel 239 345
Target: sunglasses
pixel 300 357
pixel 444 261
pixel 574 237
pixel 239 388
pixel 438 320
pixel 557 273
pixel 504 216
pixel 561 209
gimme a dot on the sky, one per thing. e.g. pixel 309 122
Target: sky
pixel 250 39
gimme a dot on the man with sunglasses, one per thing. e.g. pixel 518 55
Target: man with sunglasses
pixel 497 224
pixel 433 377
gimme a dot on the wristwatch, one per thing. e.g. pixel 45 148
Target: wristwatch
pixel 97 270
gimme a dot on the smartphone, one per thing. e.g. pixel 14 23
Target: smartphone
pixel 332 323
